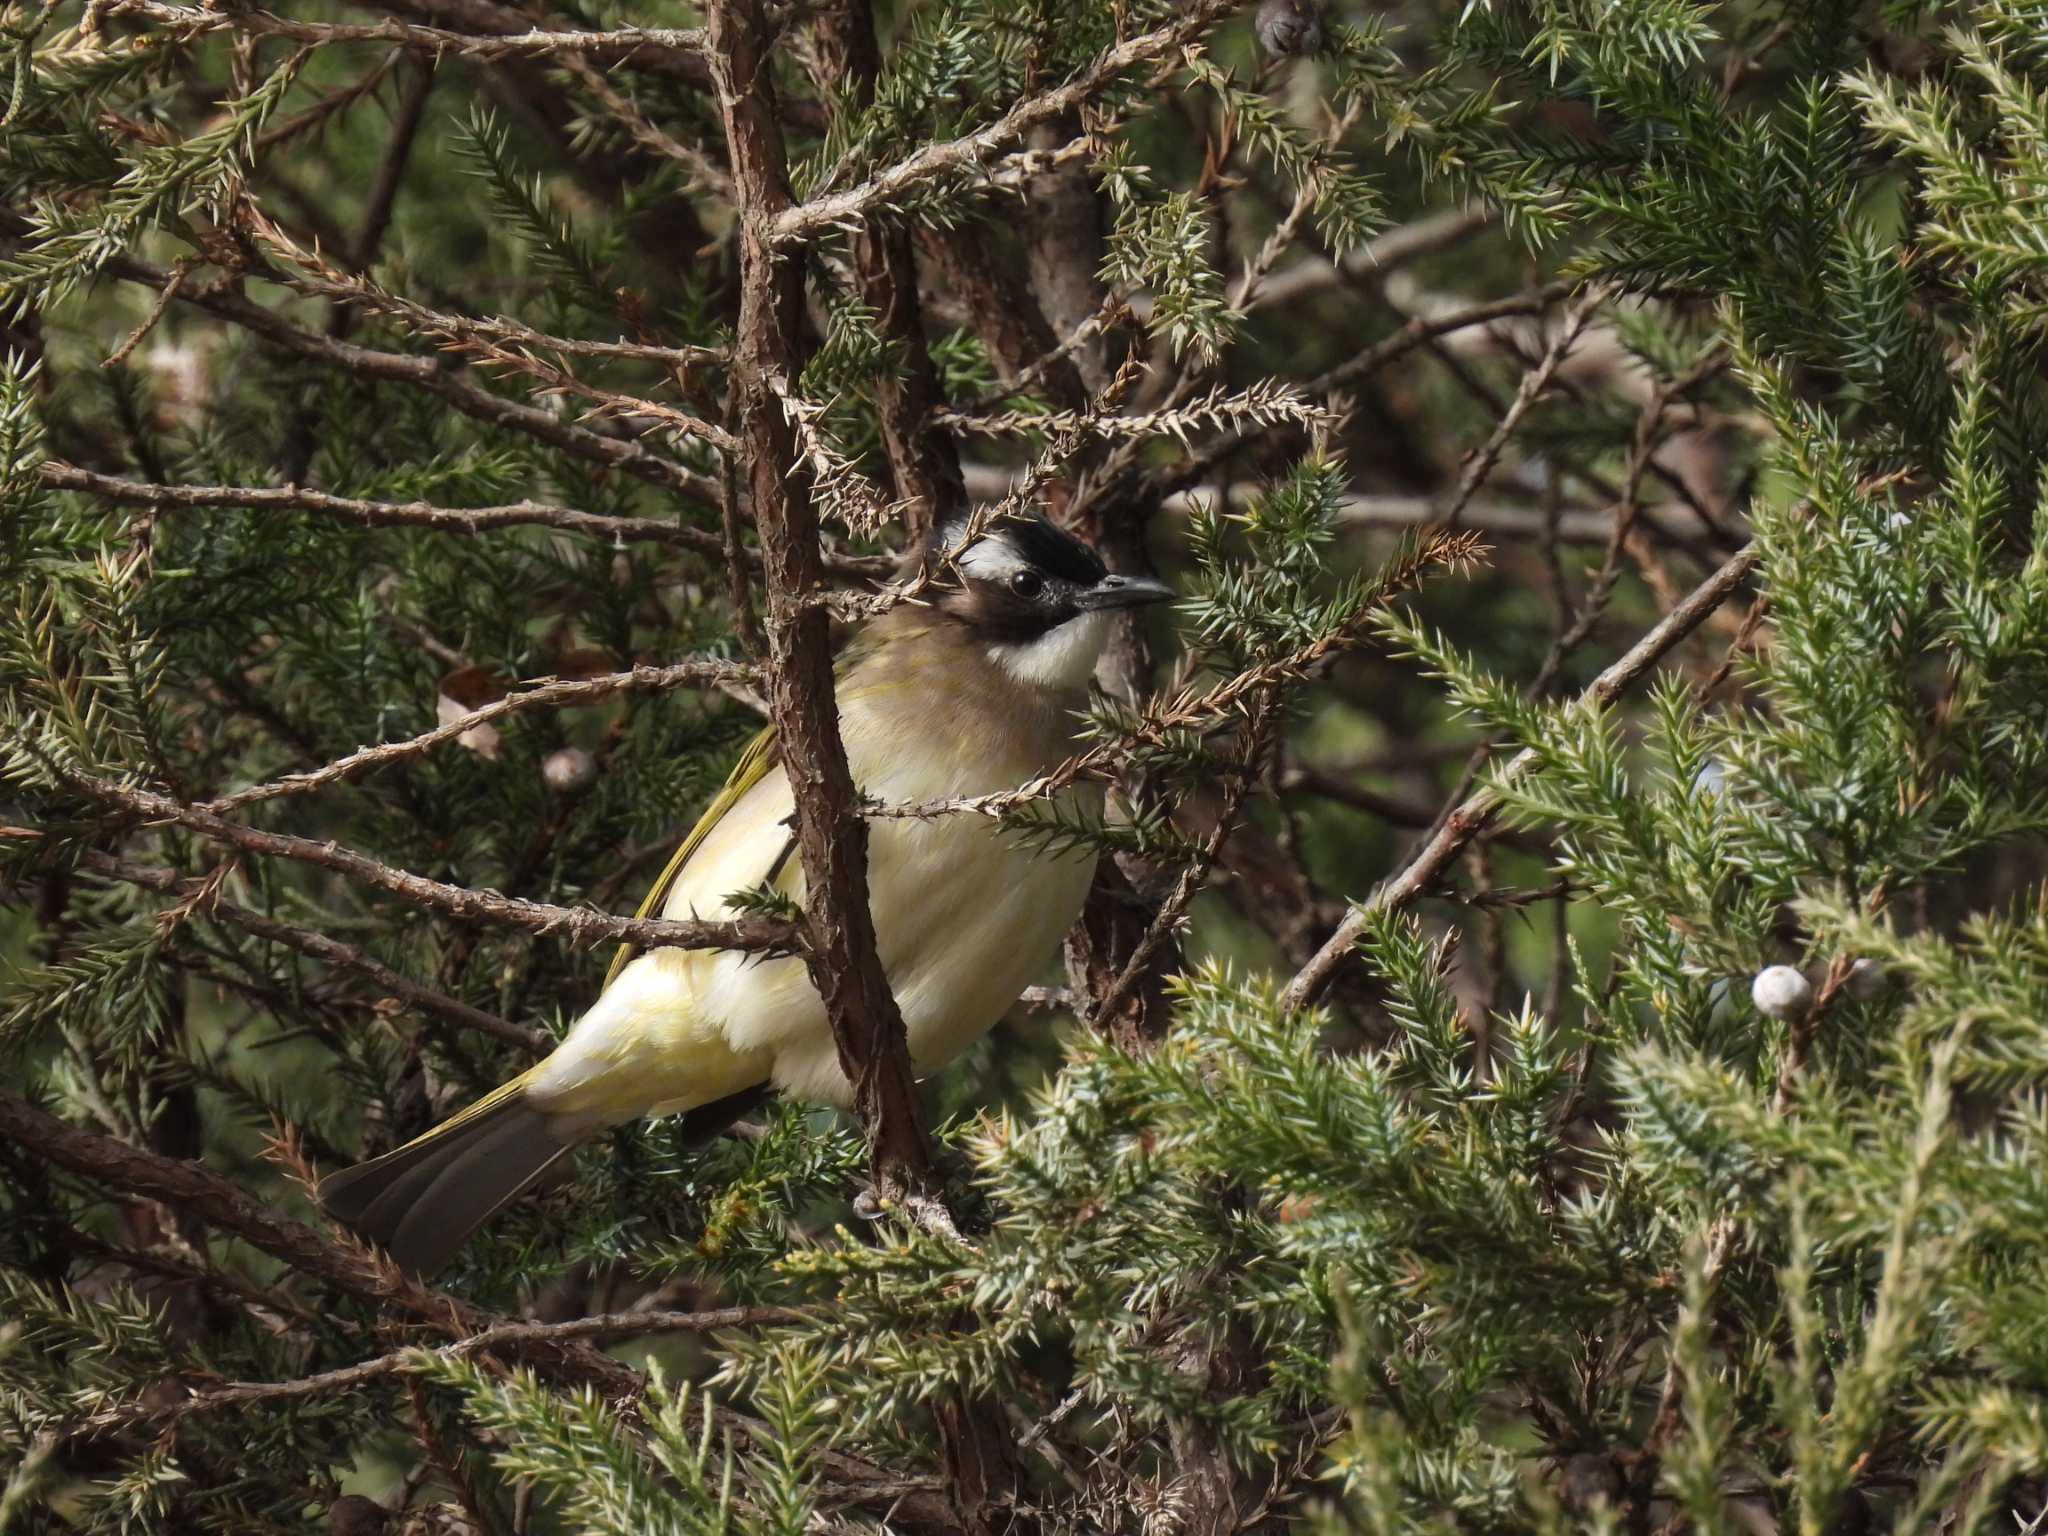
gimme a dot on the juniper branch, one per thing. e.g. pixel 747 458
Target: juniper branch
pixel 319 946
pixel 534 694
pixel 618 46
pixel 579 926
pixel 807 221
pixel 1471 817
pixel 392 514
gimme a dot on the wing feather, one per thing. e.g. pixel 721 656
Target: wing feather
pixel 762 754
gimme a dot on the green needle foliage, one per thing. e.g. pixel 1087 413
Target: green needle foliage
pixel 362 367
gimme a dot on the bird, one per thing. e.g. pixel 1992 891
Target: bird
pixel 973 688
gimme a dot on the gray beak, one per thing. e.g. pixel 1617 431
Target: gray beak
pixel 1126 592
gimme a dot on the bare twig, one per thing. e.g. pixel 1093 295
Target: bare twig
pixel 1418 331
pixel 1535 383
pixel 160 1410
pixel 449 384
pixel 1191 878
pixel 1389 252
pixel 505 343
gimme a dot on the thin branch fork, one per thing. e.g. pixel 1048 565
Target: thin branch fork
pixel 1535 383
pixel 322 279
pixel 793 224
pixel 1256 745
pixel 1473 815
pixel 1419 331
pixel 578 925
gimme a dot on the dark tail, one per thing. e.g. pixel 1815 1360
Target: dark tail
pixel 421 1202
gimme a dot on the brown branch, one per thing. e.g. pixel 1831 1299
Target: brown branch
pixel 327 105
pixel 1253 277
pixel 579 926
pixel 1421 329
pixel 1416 332
pixel 391 167
pixel 1006 315
pixel 1535 383
pixel 867 1027
pixel 806 221
pixel 188 1186
pixel 494 19
pixel 924 463
pixel 1371 262
pixel 1628 511
pixel 1435 856
pixel 1106 1008
pixel 705 173
pixel 160 1410
pixel 393 514
pixel 618 46
pixel 488 335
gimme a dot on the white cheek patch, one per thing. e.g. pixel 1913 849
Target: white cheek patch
pixel 1063 657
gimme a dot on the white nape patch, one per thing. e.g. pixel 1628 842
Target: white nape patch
pixel 1062 658
pixel 990 559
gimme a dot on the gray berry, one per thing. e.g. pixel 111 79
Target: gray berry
pixel 1289 28
pixel 1867 980
pixel 1781 992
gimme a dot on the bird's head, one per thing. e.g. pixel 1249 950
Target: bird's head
pixel 1037 597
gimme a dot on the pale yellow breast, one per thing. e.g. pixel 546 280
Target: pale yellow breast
pixel 965 919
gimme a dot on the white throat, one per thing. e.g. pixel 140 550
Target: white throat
pixel 1062 659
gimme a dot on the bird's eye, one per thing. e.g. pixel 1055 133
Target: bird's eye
pixel 1027 583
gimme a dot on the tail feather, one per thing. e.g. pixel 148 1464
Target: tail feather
pixel 421 1202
